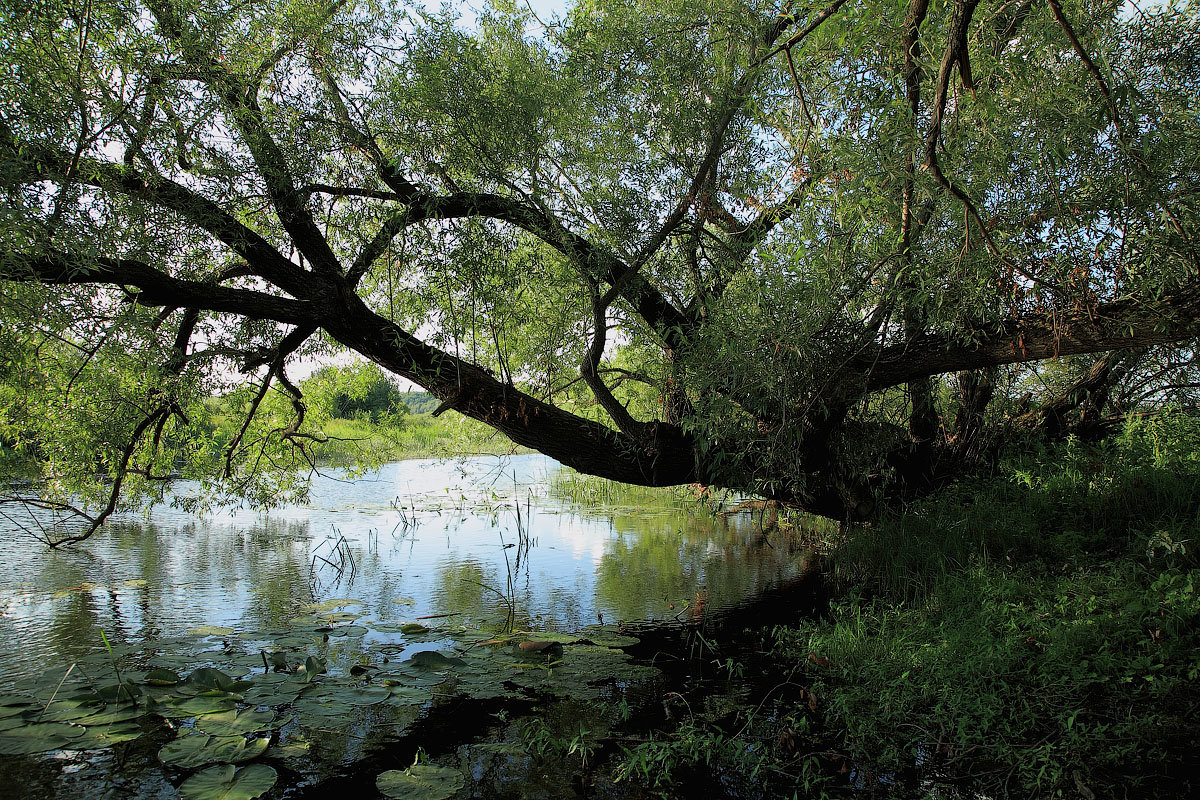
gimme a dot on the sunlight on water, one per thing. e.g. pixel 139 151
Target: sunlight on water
pixel 412 540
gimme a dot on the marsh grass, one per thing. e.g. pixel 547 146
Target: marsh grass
pixel 1036 632
pixel 592 492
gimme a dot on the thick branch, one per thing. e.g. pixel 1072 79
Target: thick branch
pixel 155 288
pixel 664 456
pixel 1109 326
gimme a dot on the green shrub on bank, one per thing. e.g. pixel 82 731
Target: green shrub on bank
pixel 411 436
pixel 1037 633
pixel 1027 682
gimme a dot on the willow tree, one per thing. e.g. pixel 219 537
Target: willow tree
pixel 808 252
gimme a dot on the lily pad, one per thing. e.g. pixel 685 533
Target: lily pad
pixel 608 638
pixel 229 723
pixel 211 630
pixel 332 605
pixel 311 668
pixel 408 696
pixel 354 695
pixel 17 706
pixel 207 678
pixel 432 659
pixel 65 711
pixel 111 715
pixel 161 677
pixel 412 677
pixel 8 723
pixel 226 782
pixel 38 738
pixel 100 737
pixel 349 630
pixel 327 708
pixel 199 706
pixel 272 696
pixel 548 650
pixel 199 749
pixel 547 636
pixel 420 782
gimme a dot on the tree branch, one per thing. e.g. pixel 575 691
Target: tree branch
pixel 156 288
pixel 1118 325
pixel 36 161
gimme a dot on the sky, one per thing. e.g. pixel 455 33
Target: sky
pixel 544 10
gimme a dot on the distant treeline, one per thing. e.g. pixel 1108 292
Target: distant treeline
pixel 419 402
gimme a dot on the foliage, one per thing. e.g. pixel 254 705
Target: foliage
pixel 797 252
pixel 1036 631
pixel 359 390
pixel 419 402
pixel 661 764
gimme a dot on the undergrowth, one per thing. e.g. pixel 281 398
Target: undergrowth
pixel 1033 634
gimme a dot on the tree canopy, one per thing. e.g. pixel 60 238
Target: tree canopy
pixel 809 252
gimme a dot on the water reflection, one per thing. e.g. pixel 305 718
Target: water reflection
pixel 169 573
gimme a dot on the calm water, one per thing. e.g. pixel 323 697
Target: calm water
pixel 411 540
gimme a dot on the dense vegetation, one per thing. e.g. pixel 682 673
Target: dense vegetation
pixel 930 265
pixel 799 252
pixel 1032 634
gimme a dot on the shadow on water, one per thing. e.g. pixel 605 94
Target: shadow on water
pixel 522 750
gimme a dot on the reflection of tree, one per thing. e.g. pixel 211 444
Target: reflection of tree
pixel 661 558
pixel 73 628
pixel 279 564
pixel 463 587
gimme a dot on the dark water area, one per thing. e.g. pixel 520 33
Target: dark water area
pixel 411 587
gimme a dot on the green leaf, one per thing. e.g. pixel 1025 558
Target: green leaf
pixel 161 677
pixel 199 706
pixel 38 738
pixel 226 782
pixel 420 782
pixel 311 668
pixel 230 723
pixel 104 736
pixel 199 749
pixel 211 630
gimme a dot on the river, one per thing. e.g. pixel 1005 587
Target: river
pixel 463 548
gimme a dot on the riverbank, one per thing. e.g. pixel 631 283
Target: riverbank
pixel 413 436
pixel 1030 635
pixel 1036 634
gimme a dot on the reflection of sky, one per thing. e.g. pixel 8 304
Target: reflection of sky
pixel 164 576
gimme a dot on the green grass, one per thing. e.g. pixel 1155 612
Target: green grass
pixel 359 440
pixel 588 490
pixel 415 436
pixel 1035 632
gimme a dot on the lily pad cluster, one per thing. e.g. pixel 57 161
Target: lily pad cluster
pixel 321 674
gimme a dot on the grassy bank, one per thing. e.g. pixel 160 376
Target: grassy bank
pixel 1036 634
pixel 359 440
pixel 414 436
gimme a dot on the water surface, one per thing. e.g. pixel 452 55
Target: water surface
pixel 473 539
